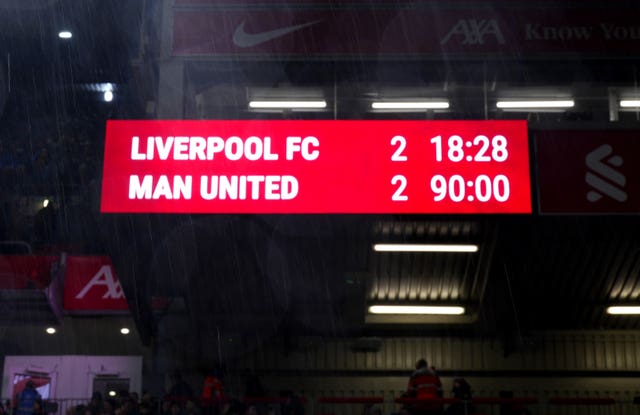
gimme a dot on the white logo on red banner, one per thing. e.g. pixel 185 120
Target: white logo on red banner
pixel 106 282
pixel 473 31
pixel 603 178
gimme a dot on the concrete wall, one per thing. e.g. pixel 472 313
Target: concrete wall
pixel 558 351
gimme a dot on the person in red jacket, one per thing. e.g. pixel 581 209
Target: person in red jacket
pixel 425 384
pixel 213 389
pixel 213 393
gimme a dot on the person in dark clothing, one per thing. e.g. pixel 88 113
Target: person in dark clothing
pixel 27 399
pixel 252 385
pixel 293 404
pixel 462 391
pixel 95 405
pixel 180 390
pixel 45 225
pixel 38 407
pixel 253 389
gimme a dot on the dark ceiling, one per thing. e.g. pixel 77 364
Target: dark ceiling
pixel 317 274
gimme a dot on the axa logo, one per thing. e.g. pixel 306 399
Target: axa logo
pixel 104 279
pixel 474 31
pixel 602 176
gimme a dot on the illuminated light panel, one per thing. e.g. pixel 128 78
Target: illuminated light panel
pixel 424 248
pixel 416 310
pixel 50 330
pixel 630 103
pixel 623 310
pixel 65 34
pixel 423 105
pixel 535 104
pixel 287 104
pixel 125 331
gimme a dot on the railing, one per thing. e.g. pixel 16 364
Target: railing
pixel 478 401
pixel 486 405
pixel 53 406
pixel 603 405
pixel 464 404
pixel 581 401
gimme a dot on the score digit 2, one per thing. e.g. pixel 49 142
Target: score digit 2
pixel 400 144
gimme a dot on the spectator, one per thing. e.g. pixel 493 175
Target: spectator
pixel 108 407
pixel 175 409
pixel 371 409
pixel 233 407
pixel 81 410
pixel 27 399
pixel 166 407
pixel 462 391
pixel 44 171
pixel 424 384
pixel 7 160
pixel 7 409
pixel 45 226
pixel 253 389
pixel 180 390
pixel 150 402
pixel 132 404
pixel 213 388
pixel 191 408
pixel 144 409
pixel 122 397
pixel 293 404
pixel 95 405
pixel 252 385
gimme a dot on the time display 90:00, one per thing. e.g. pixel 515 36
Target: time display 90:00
pixel 481 188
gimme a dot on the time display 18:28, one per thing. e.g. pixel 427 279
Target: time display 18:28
pixel 471 168
pixel 480 150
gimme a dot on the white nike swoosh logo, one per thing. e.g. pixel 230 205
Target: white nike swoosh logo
pixel 246 40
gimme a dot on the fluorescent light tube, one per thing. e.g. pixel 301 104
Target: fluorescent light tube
pixel 65 34
pixel 416 310
pixel 624 310
pixel 630 103
pixel 423 105
pixel 535 104
pixel 424 248
pixel 287 104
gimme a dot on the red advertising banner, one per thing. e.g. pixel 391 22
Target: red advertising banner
pixel 316 167
pixel 405 31
pixel 91 285
pixel 588 171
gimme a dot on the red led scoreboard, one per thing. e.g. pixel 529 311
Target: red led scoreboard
pixel 316 167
